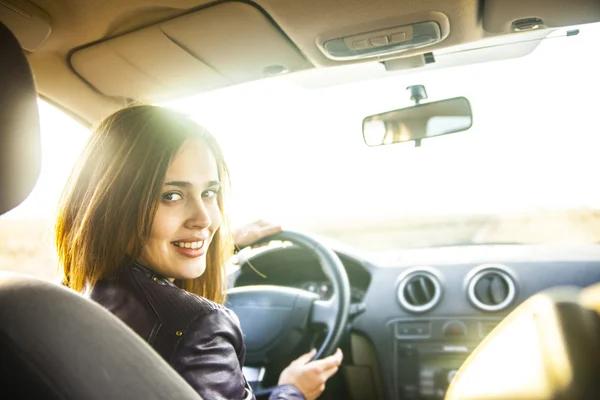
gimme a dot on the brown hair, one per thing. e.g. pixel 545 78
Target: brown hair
pixel 106 211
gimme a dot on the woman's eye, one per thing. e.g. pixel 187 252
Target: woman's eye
pixel 210 193
pixel 172 196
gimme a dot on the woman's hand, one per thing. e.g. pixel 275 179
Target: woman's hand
pixel 253 232
pixel 310 376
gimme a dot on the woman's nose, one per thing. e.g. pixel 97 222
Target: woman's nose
pixel 199 216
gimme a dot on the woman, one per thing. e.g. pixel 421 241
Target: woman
pixel 142 227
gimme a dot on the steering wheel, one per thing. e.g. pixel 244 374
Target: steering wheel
pixel 277 320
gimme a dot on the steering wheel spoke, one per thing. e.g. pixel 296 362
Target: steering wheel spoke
pixel 324 312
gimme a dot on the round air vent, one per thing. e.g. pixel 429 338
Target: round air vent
pixel 491 288
pixel 419 290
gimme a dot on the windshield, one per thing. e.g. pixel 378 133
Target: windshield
pixel 526 172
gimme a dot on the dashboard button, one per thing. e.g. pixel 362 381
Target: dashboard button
pixel 427 374
pixel 421 328
pixel 413 329
pixel 405 330
pixel 455 328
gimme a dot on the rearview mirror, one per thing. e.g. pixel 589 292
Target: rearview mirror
pixel 418 122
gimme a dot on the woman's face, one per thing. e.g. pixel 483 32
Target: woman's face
pixel 188 215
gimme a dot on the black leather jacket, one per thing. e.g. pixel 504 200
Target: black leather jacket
pixel 201 340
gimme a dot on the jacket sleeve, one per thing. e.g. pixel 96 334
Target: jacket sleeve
pixel 286 392
pixel 209 357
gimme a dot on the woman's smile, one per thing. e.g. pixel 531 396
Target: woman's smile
pixel 187 217
pixel 192 248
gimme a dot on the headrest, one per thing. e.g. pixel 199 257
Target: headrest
pixel 20 147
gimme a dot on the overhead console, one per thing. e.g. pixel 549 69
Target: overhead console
pixel 410 40
pixel 213 47
pixel 384 38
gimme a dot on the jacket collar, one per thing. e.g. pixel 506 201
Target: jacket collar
pixel 150 275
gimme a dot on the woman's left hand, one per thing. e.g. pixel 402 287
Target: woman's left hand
pixel 253 232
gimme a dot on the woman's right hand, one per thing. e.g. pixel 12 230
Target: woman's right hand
pixel 310 376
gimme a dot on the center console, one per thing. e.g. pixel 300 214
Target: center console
pixel 428 352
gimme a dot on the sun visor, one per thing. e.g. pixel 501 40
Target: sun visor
pixel 30 24
pixel 213 47
pixel 504 16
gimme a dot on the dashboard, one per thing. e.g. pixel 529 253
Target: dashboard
pixel 324 289
pixel 427 309
pixel 295 267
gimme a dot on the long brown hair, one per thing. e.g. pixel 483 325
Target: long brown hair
pixel 106 210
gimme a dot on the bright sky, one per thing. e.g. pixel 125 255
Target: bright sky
pixel 297 155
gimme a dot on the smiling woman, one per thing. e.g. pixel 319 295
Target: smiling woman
pixel 118 188
pixel 142 228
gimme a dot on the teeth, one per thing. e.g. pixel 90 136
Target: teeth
pixel 189 245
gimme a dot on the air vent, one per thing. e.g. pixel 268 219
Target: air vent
pixel 419 290
pixel 491 288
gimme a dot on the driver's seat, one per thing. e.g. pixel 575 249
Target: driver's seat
pixel 55 344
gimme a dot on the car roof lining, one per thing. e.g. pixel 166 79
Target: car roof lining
pixel 76 24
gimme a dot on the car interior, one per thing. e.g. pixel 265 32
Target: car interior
pixel 460 319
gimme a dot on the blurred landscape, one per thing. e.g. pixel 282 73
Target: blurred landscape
pixel 543 226
pixel 26 245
